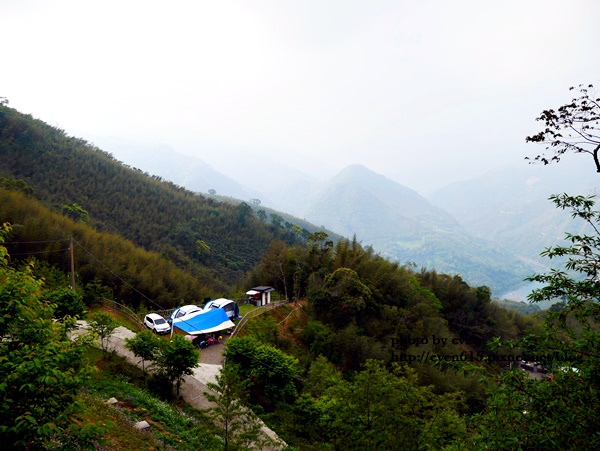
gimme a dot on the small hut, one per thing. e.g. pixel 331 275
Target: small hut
pixel 260 296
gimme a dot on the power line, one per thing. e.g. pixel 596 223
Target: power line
pixel 38 252
pixel 35 242
pixel 88 252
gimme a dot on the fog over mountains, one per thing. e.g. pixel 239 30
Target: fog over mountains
pixel 490 230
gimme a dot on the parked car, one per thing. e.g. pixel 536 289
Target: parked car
pixel 230 307
pixel 156 323
pixel 187 310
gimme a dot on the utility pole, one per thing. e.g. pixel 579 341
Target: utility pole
pixel 72 265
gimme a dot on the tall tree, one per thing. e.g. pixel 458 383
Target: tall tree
pixel 383 409
pixel 240 427
pixel 273 374
pixel 103 325
pixel 68 302
pixel 274 265
pixel 178 359
pixel 342 298
pixel 574 127
pixel 561 411
pixel 144 345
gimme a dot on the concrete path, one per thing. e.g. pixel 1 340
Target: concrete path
pixel 194 386
pixel 205 372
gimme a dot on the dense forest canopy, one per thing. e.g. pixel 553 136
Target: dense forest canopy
pixel 214 242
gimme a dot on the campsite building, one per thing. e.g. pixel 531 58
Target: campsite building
pixel 260 296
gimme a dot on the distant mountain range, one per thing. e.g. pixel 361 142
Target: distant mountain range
pixel 402 225
pixel 510 206
pixel 490 230
pixel 189 172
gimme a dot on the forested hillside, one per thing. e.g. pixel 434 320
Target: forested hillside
pixel 364 319
pixel 216 242
pixel 101 259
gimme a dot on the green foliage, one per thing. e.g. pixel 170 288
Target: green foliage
pixel 160 386
pixel 68 302
pixel 41 369
pixel 173 427
pixel 322 376
pixel 359 303
pixel 104 256
pixel 319 339
pixel 352 347
pixel 75 212
pixel 244 210
pixel 202 247
pixel 178 358
pixel 342 298
pixel 276 220
pixel 263 328
pixel 561 412
pixel 240 429
pixel 378 409
pixel 275 266
pixel 469 311
pixel 144 345
pixel 389 410
pixel 17 185
pixel 523 308
pixel 94 291
pixel 103 325
pixel 52 276
pixel 273 375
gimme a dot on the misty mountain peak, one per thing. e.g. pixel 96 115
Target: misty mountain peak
pixel 358 177
pixel 360 173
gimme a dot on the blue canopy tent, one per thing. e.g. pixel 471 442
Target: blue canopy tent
pixel 205 323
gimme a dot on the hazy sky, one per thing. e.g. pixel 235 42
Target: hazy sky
pixel 424 92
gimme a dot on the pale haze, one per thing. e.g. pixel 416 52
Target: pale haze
pixel 423 92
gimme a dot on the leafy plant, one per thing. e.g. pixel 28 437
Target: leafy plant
pixel 144 345
pixel 239 426
pixel 103 325
pixel 41 368
pixel 179 357
pixel 68 302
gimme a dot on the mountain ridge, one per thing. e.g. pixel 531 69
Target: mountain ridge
pixel 404 226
